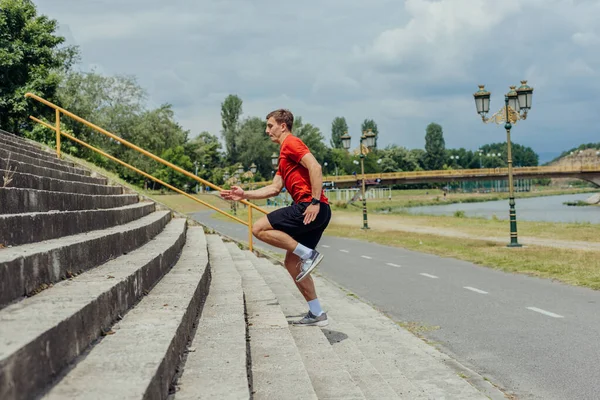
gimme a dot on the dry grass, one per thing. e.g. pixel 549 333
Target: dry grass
pixel 570 266
pixel 9 173
pixel 477 227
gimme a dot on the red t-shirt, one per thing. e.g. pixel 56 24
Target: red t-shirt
pixel 295 177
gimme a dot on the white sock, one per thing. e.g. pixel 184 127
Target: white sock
pixel 302 251
pixel 315 307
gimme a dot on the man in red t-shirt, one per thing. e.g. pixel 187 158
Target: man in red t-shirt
pixel 299 227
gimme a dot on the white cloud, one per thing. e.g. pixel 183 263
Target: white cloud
pixel 402 63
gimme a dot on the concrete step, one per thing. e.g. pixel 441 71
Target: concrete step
pixel 17 201
pixel 278 371
pixel 373 369
pixel 424 366
pixel 329 378
pixel 32 181
pixel 23 143
pixel 40 162
pixel 41 335
pixel 140 359
pixel 26 269
pixel 217 363
pixel 48 172
pixel 36 153
pixel 18 229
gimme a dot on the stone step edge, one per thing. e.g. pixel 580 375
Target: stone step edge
pixel 6 152
pixel 35 227
pixel 42 351
pixel 176 301
pixel 19 166
pixel 46 156
pixel 271 318
pixel 29 269
pixel 395 379
pixel 59 183
pixel 218 362
pixel 330 378
pixel 26 200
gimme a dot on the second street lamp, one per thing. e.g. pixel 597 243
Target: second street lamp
pixel 517 102
pixel 367 141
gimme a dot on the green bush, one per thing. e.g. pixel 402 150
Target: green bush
pixel 459 214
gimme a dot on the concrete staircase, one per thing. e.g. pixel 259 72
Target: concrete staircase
pixel 105 296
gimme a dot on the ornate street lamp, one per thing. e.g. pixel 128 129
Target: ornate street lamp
pixel 253 168
pixel 517 102
pixel 240 169
pixel 274 160
pixel 367 141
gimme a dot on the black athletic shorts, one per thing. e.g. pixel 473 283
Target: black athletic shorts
pixel 291 221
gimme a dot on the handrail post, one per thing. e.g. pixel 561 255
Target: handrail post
pixel 58 133
pixel 250 229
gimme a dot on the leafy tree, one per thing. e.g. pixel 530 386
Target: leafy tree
pixel 177 156
pixel 312 138
pixel 435 147
pixel 205 150
pixel 338 128
pixel 31 60
pixel 254 146
pixel 370 124
pixel 231 110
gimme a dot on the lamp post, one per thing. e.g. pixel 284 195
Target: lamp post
pixel 453 157
pixel 367 141
pixel 517 102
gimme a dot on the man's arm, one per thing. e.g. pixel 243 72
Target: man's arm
pixel 315 172
pixel 266 192
pixel 236 193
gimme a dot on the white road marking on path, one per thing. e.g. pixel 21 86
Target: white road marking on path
pixel 344 251
pixel 430 276
pixel 475 290
pixel 393 265
pixel 367 257
pixel 548 313
pixel 326 246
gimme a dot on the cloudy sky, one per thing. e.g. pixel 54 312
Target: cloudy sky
pixel 402 63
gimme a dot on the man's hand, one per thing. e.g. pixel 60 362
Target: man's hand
pixel 236 193
pixel 311 212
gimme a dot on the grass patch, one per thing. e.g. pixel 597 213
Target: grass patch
pixel 574 267
pixel 416 328
pixel 476 226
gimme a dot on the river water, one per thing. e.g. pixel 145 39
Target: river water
pixel 550 209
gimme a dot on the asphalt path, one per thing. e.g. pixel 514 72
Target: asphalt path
pixel 535 338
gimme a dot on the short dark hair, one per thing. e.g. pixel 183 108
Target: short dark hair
pixel 283 116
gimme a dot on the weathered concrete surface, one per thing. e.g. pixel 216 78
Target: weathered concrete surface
pixel 278 371
pixel 41 335
pixel 27 151
pixel 48 172
pixel 30 145
pixel 216 366
pixel 32 181
pixel 17 229
pixel 24 269
pixel 329 378
pixel 140 359
pixel 410 366
pixel 40 162
pixel 22 200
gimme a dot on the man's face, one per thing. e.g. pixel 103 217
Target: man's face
pixel 274 130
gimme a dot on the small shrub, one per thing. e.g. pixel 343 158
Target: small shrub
pixel 341 204
pixel 459 214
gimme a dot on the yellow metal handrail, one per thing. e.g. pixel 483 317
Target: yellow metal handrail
pixel 59 132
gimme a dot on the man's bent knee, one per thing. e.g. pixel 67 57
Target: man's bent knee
pixel 261 226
